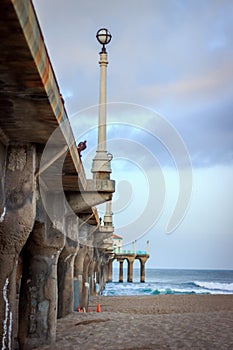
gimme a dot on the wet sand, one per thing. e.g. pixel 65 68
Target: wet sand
pixel 150 322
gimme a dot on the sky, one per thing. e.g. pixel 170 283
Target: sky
pixel 170 122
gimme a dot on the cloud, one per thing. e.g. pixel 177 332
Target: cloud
pixel 202 88
pixel 175 58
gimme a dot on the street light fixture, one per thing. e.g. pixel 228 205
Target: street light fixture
pixel 101 167
pixel 104 37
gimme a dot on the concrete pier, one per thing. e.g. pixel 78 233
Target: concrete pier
pixel 130 257
pixel 48 219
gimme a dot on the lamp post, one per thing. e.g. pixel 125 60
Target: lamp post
pixel 101 167
pixel 108 215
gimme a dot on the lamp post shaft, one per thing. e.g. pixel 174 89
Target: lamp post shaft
pixel 108 214
pixel 101 167
pixel 102 102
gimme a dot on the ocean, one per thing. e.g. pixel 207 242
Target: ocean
pixel 173 281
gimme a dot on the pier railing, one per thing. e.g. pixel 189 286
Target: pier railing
pixel 125 252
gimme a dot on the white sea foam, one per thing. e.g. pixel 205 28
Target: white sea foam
pixel 228 287
pixel 167 281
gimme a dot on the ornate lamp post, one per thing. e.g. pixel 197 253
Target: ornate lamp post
pixel 101 167
pixel 108 215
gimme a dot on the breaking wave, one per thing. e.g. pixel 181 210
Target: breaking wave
pixel 227 287
pixel 175 282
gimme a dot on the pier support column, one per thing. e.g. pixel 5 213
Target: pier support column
pixel 142 275
pixel 16 222
pixel 142 270
pixel 110 270
pixel 38 293
pixel 65 283
pixel 121 262
pixel 102 272
pixel 97 272
pixel 91 274
pixel 66 268
pixel 130 268
pixel 105 271
pixel 86 278
pixel 78 271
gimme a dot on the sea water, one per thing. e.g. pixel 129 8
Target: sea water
pixel 172 281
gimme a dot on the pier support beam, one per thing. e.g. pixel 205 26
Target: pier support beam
pixel 78 271
pixel 130 268
pixel 91 274
pixel 66 269
pixel 130 257
pixel 38 294
pixel 16 222
pixel 142 274
pixel 105 271
pixel 121 262
pixel 86 278
pixel 110 270
pixel 142 269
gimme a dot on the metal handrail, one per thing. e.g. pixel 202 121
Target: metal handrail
pixel 125 252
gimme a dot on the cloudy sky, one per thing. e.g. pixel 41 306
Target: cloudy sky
pixel 170 89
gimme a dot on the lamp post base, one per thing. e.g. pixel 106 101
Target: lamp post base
pixel 101 166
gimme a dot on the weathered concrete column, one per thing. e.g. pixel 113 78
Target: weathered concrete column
pixel 82 261
pixel 98 264
pixel 100 270
pixel 86 285
pixel 2 181
pixel 17 220
pixel 8 309
pixel 78 270
pixel 142 274
pixel 91 273
pixel 105 272
pixel 110 270
pixel 142 268
pixel 101 273
pixel 38 294
pixel 130 268
pixel 121 262
pixel 65 281
pixel 66 268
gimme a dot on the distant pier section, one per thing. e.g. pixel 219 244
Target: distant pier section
pixel 130 256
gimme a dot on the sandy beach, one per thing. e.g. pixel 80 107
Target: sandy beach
pixel 150 322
